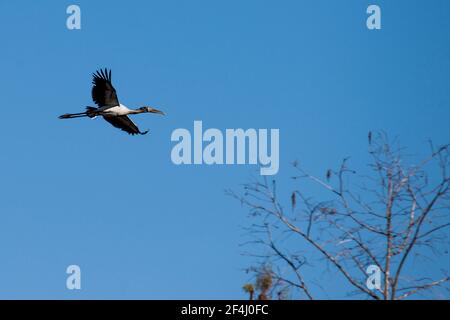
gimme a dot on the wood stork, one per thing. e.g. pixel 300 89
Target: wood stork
pixel 104 95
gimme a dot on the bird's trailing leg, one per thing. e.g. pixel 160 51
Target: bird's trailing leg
pixel 73 115
pixel 91 112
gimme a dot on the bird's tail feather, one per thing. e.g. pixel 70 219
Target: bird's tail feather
pixel 91 112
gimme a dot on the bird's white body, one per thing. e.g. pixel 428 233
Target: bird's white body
pixel 119 110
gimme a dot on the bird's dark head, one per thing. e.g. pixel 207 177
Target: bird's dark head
pixel 151 110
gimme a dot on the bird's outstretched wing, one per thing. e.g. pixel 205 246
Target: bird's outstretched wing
pixel 103 92
pixel 124 123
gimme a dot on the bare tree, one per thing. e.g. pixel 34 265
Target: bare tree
pixel 387 219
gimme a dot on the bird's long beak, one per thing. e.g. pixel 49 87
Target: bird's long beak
pixel 157 111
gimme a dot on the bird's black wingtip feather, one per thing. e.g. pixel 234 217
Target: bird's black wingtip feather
pixel 103 74
pixel 140 133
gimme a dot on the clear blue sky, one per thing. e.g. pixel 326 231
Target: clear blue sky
pixel 82 192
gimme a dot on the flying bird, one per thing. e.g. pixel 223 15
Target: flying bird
pixel 105 97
